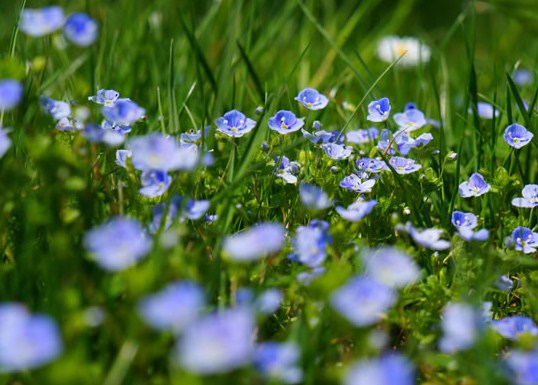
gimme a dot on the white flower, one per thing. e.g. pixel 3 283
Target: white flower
pixel 413 50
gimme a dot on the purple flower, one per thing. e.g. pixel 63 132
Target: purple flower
pixel 234 124
pixel 363 300
pixel 218 342
pixel 517 136
pixel 378 110
pixel 196 209
pixel 362 136
pixel 171 214
pixel 56 108
pixel 410 120
pixel 391 266
pixel 312 99
pixel 461 326
pixel 525 239
pixel 530 197
pixel 404 165
pixel 41 21
pixel 465 223
pixel 285 122
pixel 475 187
pixel 97 134
pixel 371 165
pixel 286 170
pixel 105 97
pixel 158 152
pixel 122 156
pixel 357 210
pixel 154 183
pixel 279 361
pixel 269 301
pixel 309 244
pixel 524 367
pixel 429 238
pixel 10 94
pixel 504 283
pixel 26 341
pixel 173 308
pixel 354 183
pixel 124 112
pixel 80 29
pixel 337 151
pixel 512 327
pixel 389 369
pixel 485 110
pixel 5 142
pixel 255 243
pixel 313 197
pixel 117 244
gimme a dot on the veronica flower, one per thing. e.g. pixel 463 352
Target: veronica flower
pixel 192 136
pixel 410 120
pixel 475 187
pixel 524 367
pixel 405 143
pixel 5 142
pixel 429 238
pixel 41 21
pixel 122 156
pixel 404 165
pixel 10 94
pixel 321 135
pixel 517 136
pixel 337 151
pixel 26 341
pixel 371 165
pixel 255 243
pixel 309 244
pixel 523 77
pixel 218 342
pixel 313 197
pixel 279 361
pixel 312 99
pixel 362 136
pixel 512 327
pixel 80 29
pixel 461 326
pixel 158 152
pixel 105 97
pixel 389 369
pixel 363 300
pixel 530 197
pixel 97 134
pixel 411 50
pixel 286 170
pixel 306 277
pixel 154 183
pixel 285 122
pixel 234 124
pixel 117 244
pixel 56 108
pixel 357 210
pixel 269 301
pixel 391 267
pixel 171 214
pixel 378 110
pixel 485 110
pixel 354 183
pixel 124 112
pixel 108 125
pixel 504 283
pixel 465 223
pixel 525 239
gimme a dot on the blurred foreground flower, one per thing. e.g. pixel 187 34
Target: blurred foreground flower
pixel 511 327
pixel 255 243
pixel 391 267
pixel 41 21
pixel 10 94
pixel 390 369
pixel 461 325
pixel 80 29
pixel 279 361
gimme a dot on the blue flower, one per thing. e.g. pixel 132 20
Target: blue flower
pixel 105 97
pixel 517 136
pixel 321 135
pixel 523 77
pixel 124 112
pixel 10 94
pixel 154 183
pixel 56 108
pixel 354 183
pixel 389 369
pixel 41 21
pixel 357 210
pixel 158 211
pixel 524 367
pixel 337 151
pixel 485 110
pixel 5 142
pixel 404 165
pixel 378 110
pixel 269 301
pixel 117 244
pixel 173 308
pixel 465 223
pixel 196 209
pixel 234 124
pixel 504 283
pixel 312 99
pixel 27 341
pixel 363 300
pixel 285 122
pixel 286 170
pixel 218 342
pixel 362 136
pixel 309 244
pixel 391 267
pixel 158 152
pixel 525 239
pixel 97 134
pixel 410 120
pixel 530 197
pixel 371 165
pixel 279 361
pixel 313 197
pixel 429 238
pixel 255 243
pixel 306 277
pixel 475 187
pixel 512 327
pixel 80 29
pixel 122 156
pixel 461 326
